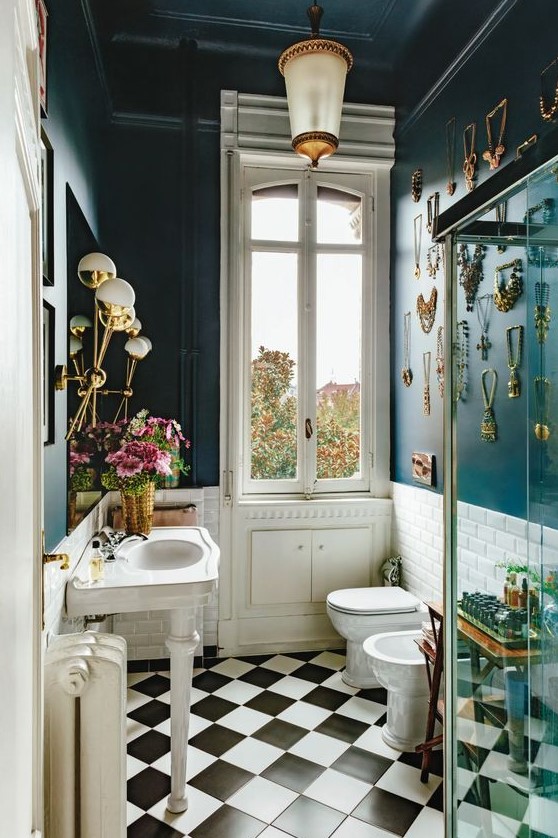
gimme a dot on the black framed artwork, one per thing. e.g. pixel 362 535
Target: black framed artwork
pixel 47 208
pixel 48 373
pixel 42 16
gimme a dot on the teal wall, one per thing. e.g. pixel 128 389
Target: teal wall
pixel 506 64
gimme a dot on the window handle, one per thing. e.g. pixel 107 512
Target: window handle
pixel 308 430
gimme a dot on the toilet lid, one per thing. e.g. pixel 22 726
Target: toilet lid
pixel 373 600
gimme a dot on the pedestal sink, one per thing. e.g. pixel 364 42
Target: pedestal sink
pixel 175 569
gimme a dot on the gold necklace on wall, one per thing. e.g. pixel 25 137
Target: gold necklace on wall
pixel 542 407
pixel 417 241
pixel 406 374
pixel 440 371
pixel 548 111
pixel 426 311
pixel 416 185
pixel 470 162
pixel 489 428
pixel 450 155
pixel 514 359
pixel 470 272
pixel 461 353
pixel 506 295
pixel 501 211
pixel 426 358
pixel 493 155
pixel 542 310
pixel 432 211
pixel 483 314
pixel 433 260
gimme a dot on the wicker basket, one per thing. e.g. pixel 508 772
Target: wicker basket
pixel 137 511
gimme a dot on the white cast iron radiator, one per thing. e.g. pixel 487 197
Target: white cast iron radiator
pixel 85 736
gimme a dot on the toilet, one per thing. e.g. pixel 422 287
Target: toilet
pixel 358 613
pixel 400 667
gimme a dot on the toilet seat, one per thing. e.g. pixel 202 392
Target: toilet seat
pixel 372 601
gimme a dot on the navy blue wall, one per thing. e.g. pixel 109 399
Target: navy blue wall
pixel 507 64
pixel 75 127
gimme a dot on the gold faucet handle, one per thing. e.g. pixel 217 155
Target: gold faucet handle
pixel 57 557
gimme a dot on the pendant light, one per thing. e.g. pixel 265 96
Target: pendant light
pixel 315 71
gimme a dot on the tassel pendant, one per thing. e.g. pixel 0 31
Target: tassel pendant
pixel 489 428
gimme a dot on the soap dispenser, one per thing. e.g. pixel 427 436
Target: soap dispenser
pixel 96 562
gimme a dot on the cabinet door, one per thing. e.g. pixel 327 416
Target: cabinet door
pixel 340 559
pixel 281 566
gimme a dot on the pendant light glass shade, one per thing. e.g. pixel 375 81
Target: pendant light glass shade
pixel 96 268
pixel 115 297
pixel 315 72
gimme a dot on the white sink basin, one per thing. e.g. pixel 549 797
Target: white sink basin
pixel 175 567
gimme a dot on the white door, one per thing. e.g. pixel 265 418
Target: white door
pixel 20 426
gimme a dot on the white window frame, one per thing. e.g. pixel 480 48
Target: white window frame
pixel 255 132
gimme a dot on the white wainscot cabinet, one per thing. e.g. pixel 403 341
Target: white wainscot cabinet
pixel 303 566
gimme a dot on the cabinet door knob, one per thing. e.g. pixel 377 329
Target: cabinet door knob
pixel 320 547
pixel 301 546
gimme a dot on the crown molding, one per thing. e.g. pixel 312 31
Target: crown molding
pixel 97 55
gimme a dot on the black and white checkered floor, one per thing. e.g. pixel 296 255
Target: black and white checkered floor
pixel 279 747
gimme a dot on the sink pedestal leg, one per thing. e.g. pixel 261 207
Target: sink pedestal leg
pixel 182 643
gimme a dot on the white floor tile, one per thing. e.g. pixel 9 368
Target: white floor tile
pixel 542 815
pixel 319 748
pixel 404 780
pixel 292 687
pixel 165 727
pixel 135 677
pixel 197 724
pixel 135 700
pixel 488 823
pixel 133 766
pixel 196 761
pixel 371 740
pixel 476 733
pixel 428 824
pixel 353 828
pixel 197 695
pixel 337 790
pixel 272 832
pixel 547 757
pixel 135 729
pixel 362 710
pixel 244 720
pixel 238 691
pixel 465 780
pixel 331 660
pixel 252 755
pixel 281 663
pixel 232 667
pixel 262 799
pixel 336 682
pixel 496 766
pixel 165 698
pixel 200 807
pixel 133 813
pixel 304 715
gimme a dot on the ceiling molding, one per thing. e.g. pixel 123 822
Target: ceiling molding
pixel 480 36
pixel 128 119
pixel 97 54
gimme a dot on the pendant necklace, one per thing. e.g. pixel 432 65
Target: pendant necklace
pixel 542 403
pixel 406 374
pixel 440 360
pixel 426 357
pixel 493 155
pixel 417 232
pixel 470 162
pixel 461 355
pixel 506 296
pixel 548 112
pixel 542 309
pixel 489 428
pixel 501 213
pixel 426 311
pixel 450 155
pixel 483 313
pixel 432 212
pixel 470 272
pixel 514 360
pixel 539 255
pixel 416 185
pixel 433 261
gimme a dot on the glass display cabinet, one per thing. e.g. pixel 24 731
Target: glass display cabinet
pixel 501 511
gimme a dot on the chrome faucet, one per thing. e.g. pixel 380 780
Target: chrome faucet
pixel 114 540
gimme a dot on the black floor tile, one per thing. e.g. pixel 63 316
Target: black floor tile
pixel 342 727
pixel 378 694
pixel 281 734
pixel 153 686
pixel 293 772
pixel 213 707
pixel 148 787
pixel 362 765
pixel 137 666
pixel 270 703
pixel 210 681
pixel 227 822
pixel 306 818
pixel 261 677
pixel 216 740
pixel 415 759
pixel 437 799
pixel 148 827
pixel 209 663
pixel 387 811
pixel 300 656
pixel 221 779
pixel 151 714
pixel 159 665
pixel 326 698
pixel 313 673
pixel 381 721
pixel 257 660
pixel 150 746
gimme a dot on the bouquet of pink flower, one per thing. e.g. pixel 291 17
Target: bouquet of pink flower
pixel 81 478
pixel 148 449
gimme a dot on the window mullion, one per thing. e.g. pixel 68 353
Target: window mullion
pixel 309 325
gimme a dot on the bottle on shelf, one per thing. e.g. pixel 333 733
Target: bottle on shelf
pixel 524 593
pixel 506 597
pixel 513 592
pixel 96 562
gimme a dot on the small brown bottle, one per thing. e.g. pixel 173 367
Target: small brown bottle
pixel 513 592
pixel 524 593
pixel 506 597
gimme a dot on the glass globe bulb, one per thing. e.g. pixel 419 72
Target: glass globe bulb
pixel 115 297
pixel 136 348
pixel 96 268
